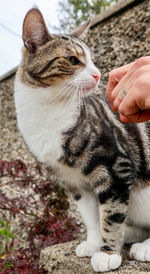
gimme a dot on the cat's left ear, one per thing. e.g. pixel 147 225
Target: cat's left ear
pixel 81 30
pixel 35 32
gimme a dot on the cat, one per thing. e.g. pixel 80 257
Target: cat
pixel 70 126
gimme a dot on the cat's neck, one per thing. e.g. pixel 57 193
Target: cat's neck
pixel 45 105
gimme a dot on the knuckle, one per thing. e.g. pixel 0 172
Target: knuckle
pixel 140 80
pixel 145 60
pixel 112 74
pixel 141 101
pixel 122 110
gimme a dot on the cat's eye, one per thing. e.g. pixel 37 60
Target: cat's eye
pixel 74 60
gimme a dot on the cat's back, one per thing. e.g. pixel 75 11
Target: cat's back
pixel 101 137
pixel 134 138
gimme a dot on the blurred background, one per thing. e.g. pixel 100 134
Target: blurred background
pixel 60 16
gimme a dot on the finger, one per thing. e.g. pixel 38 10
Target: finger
pixel 142 61
pixel 119 99
pixel 129 104
pixel 138 80
pixel 144 116
pixel 138 117
pixel 124 119
pixel 111 85
pixel 138 98
pixel 123 82
pixel 114 77
pixel 133 73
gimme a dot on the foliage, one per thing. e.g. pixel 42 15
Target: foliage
pixel 5 236
pixel 75 12
pixel 47 223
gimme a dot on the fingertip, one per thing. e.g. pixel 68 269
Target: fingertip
pixel 114 109
pixel 113 95
pixel 112 106
pixel 124 119
pixel 116 103
pixel 108 95
pixel 121 109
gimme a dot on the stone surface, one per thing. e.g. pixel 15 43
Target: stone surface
pixel 61 259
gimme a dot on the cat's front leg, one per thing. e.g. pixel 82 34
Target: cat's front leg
pixel 113 211
pixel 88 207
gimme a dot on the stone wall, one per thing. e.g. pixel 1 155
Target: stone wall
pixel 122 38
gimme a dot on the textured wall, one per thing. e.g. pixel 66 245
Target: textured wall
pixel 122 38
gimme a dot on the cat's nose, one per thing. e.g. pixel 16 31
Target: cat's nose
pixel 96 76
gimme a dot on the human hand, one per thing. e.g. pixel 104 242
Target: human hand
pixel 134 79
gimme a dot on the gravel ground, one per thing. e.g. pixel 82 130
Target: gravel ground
pixel 119 40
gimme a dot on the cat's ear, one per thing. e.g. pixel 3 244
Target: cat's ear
pixel 35 32
pixel 81 30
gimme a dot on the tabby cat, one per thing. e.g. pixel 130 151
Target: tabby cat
pixel 70 127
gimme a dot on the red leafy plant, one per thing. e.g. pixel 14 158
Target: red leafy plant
pixel 42 214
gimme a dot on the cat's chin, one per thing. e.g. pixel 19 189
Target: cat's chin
pixel 87 90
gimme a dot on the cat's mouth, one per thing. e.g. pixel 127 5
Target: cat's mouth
pixel 86 89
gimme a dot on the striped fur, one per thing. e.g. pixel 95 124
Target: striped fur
pixel 104 163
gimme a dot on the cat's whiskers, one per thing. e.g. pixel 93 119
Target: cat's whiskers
pixel 57 110
pixel 97 55
pixel 62 93
pixel 80 87
pixel 64 104
pixel 77 90
pixel 97 46
pixel 72 96
pixel 79 97
pixel 58 99
pixel 71 99
pixel 67 94
pixel 84 103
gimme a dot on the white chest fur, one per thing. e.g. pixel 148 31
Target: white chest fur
pixel 42 123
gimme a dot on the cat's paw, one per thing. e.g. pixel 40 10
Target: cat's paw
pixel 86 249
pixel 140 252
pixel 102 261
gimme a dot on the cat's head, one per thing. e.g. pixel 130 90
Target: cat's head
pixel 56 60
